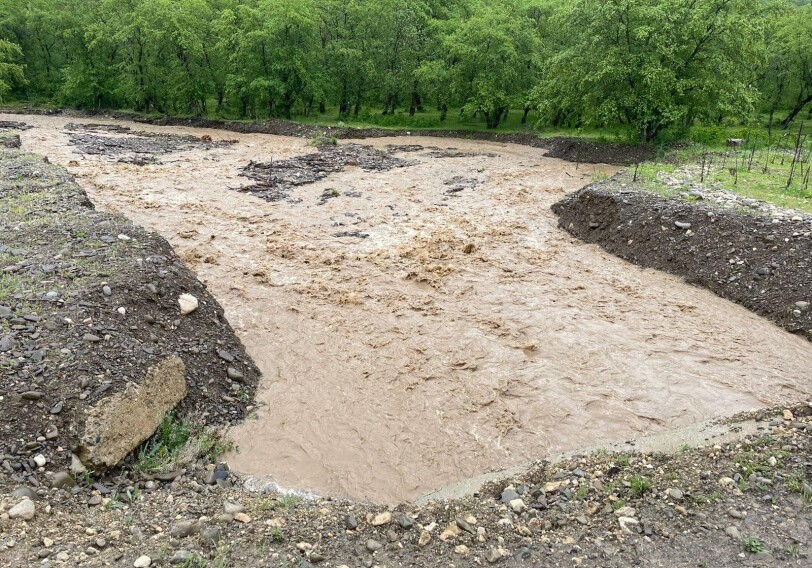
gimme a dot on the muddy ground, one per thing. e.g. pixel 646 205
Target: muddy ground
pixel 745 502
pixel 761 261
pixel 411 323
pixel 89 302
pixel 741 503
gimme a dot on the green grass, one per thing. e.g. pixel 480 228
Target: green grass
pixel 177 442
pixel 640 485
pixel 753 545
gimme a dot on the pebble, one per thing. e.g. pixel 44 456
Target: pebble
pixel 735 514
pixel 181 557
pixel 508 495
pixel 40 460
pixel 142 562
pixel 62 480
pixel 518 505
pixel 211 536
pixel 350 522
pixel 24 510
pixel 232 508
pixel 451 531
pixel 466 526
pixel 733 533
pixel 626 522
pixel 674 494
pixel 682 225
pixel 183 529
pixel 242 518
pixel 461 550
pixel 26 492
pixel 234 375
pixel 625 512
pixel 494 555
pixel 382 519
pixel 188 304
pixel 373 545
pixel 425 538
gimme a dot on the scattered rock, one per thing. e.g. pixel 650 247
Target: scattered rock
pixel 24 510
pixel 62 480
pixel 183 529
pixel 142 562
pixel 382 519
pixel 188 304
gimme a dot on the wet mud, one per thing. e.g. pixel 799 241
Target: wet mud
pixel 410 338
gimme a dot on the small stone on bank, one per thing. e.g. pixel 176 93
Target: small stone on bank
pixel 188 304
pixel 24 510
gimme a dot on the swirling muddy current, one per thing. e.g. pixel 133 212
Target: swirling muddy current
pixel 423 324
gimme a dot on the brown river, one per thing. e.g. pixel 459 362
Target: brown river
pixel 464 333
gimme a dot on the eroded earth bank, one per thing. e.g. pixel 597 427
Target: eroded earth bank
pixel 416 313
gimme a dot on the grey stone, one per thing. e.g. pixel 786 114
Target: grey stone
pixel 62 480
pixel 466 526
pixel 181 557
pixel 373 545
pixel 351 522
pixel 24 510
pixel 26 492
pixel 233 508
pixel 211 536
pixel 509 495
pixel 183 529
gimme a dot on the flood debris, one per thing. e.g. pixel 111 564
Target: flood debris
pixel 13 125
pixel 135 146
pixel 275 179
pixel 460 183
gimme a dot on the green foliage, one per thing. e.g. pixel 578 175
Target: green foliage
pixel 177 442
pixel 652 64
pixel 640 485
pixel 753 545
pixel 11 72
pixel 643 69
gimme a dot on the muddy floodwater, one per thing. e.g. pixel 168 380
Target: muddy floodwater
pixel 421 324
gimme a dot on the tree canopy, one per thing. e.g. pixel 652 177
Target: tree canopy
pixel 646 64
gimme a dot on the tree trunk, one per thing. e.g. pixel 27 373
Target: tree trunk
pixel 443 112
pixel 525 113
pixel 795 111
pixel 415 103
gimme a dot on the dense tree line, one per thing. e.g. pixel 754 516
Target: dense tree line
pixel 645 64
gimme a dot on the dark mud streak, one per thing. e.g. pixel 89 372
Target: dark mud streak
pixel 763 266
pixel 565 148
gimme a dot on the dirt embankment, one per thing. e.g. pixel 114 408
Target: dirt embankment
pixel 564 148
pixel 94 347
pixel 761 262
